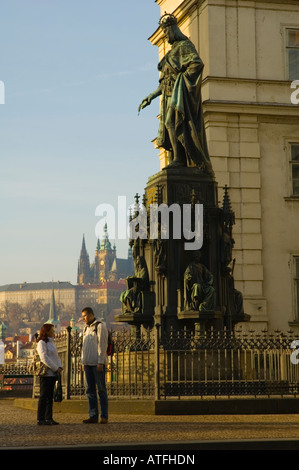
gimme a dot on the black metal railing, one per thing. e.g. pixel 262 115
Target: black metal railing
pixel 184 363
pixel 187 364
pixel 14 379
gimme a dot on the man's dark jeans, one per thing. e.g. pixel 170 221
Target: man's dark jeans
pixel 96 380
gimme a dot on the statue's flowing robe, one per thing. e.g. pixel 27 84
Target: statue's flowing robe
pixel 181 106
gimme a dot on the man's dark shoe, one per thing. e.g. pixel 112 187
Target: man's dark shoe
pixel 90 420
pixel 50 422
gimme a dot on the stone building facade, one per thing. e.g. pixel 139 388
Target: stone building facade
pixel 28 292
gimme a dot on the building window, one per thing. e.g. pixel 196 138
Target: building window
pixel 296 286
pixel 295 169
pixel 293 53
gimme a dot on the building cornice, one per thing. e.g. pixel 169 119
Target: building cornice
pixel 288 111
pixel 257 81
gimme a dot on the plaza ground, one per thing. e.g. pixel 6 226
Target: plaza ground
pixel 18 430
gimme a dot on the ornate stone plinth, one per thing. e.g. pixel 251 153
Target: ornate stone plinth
pixel 181 279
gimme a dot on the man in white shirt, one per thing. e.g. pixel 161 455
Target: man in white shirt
pixel 94 360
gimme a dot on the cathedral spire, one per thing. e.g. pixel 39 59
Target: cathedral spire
pixel 84 274
pixel 83 248
pixel 53 317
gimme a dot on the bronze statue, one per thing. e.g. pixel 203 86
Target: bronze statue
pixel 131 298
pixel 181 130
pixel 199 293
pixel 160 256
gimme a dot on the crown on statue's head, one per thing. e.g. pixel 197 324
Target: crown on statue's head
pixel 168 19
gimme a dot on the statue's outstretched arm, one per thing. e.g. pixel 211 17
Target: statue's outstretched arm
pixel 147 101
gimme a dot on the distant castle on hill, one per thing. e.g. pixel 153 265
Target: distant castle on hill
pixel 99 285
pixel 106 265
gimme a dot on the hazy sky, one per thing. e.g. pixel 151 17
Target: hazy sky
pixel 70 137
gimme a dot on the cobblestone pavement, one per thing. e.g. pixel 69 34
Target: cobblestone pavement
pixel 18 429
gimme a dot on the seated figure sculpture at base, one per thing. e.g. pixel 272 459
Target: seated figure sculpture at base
pixel 131 298
pixel 199 293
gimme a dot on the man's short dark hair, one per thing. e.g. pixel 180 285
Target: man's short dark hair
pixel 88 310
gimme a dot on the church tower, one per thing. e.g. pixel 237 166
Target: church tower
pixel 104 258
pixel 84 274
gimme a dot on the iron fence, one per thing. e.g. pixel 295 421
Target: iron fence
pixel 226 364
pixel 14 378
pixel 185 364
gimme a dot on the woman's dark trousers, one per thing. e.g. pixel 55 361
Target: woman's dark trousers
pixel 45 402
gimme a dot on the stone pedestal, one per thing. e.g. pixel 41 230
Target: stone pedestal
pixel 168 258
